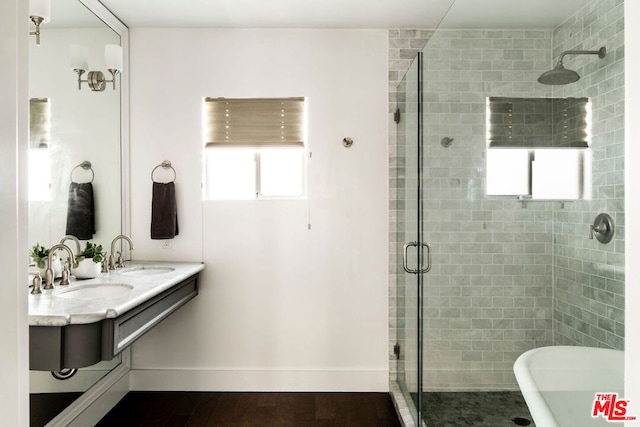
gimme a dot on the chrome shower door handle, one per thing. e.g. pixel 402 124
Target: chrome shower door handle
pixel 405 257
pixel 405 262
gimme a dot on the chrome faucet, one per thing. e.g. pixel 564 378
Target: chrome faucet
pixel 119 262
pixel 75 239
pixel 49 272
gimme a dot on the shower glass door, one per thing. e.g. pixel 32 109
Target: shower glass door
pixel 412 250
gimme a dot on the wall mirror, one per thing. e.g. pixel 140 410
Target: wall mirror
pixel 539 148
pixel 69 126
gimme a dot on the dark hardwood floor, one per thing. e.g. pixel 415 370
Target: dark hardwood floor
pixel 196 409
pixel 45 406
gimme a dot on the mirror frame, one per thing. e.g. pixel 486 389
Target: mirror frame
pixel 123 31
pixel 109 389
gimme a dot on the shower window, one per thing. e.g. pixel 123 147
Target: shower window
pixel 539 148
pixel 254 148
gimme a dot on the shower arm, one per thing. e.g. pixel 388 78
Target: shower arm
pixel 600 52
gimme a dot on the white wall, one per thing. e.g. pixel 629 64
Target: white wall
pixel 281 307
pixel 632 206
pixel 14 357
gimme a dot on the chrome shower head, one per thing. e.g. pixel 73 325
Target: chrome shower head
pixel 562 76
pixel 558 76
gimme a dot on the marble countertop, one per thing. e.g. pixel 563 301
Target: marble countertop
pixel 54 308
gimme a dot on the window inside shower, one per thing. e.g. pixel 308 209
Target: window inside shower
pixel 539 148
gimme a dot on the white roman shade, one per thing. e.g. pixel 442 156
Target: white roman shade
pixel 538 122
pixel 39 122
pixel 254 122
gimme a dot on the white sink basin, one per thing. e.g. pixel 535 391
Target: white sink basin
pixel 146 270
pixel 94 291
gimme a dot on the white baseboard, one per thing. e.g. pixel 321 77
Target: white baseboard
pixel 259 380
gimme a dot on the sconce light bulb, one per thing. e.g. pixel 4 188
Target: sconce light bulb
pixel 40 9
pixel 113 57
pixel 79 58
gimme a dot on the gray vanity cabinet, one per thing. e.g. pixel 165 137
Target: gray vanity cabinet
pixel 53 348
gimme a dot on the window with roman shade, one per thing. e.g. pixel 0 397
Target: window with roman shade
pixel 254 148
pixel 539 148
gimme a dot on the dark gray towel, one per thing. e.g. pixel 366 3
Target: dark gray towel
pixel 80 211
pixel 164 211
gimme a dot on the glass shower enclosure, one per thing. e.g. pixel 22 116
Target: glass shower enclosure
pixel 481 279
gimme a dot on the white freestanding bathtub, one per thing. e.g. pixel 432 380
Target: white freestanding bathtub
pixel 559 383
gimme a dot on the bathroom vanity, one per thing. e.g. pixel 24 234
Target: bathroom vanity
pixel 92 320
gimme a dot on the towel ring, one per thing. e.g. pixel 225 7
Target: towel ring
pixel 165 165
pixel 86 165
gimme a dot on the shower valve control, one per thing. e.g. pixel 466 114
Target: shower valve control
pixel 602 228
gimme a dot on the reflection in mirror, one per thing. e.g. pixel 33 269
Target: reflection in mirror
pixel 39 156
pixel 84 126
pixel 39 123
pixel 49 396
pixel 68 127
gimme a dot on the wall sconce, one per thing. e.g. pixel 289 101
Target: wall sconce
pixel 96 79
pixel 39 13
